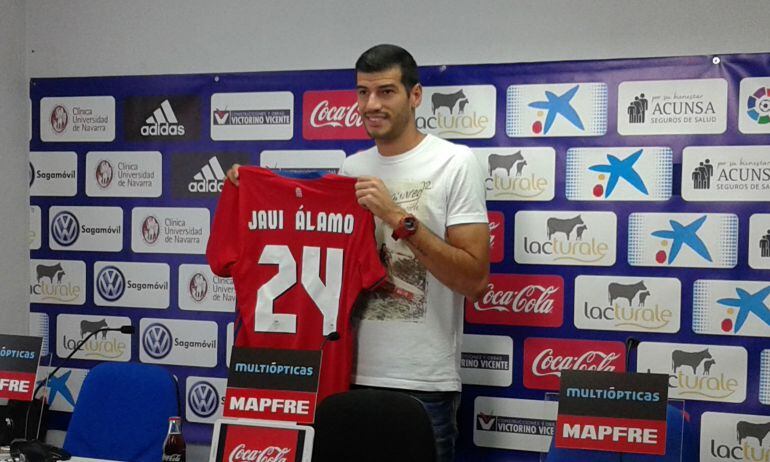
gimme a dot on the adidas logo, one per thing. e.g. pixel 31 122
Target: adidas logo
pixel 209 179
pixel 162 122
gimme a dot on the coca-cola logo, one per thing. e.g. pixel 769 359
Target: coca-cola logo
pixel 329 115
pixel 544 359
pixel 326 115
pixel 241 453
pixel 520 300
pixel 549 363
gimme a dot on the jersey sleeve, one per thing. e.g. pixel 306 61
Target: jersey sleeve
pixel 466 197
pixel 369 264
pixel 222 248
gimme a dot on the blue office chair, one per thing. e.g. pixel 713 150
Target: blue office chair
pixel 122 413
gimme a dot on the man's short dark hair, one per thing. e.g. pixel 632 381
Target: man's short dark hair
pixel 383 57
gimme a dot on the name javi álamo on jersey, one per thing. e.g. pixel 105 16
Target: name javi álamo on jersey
pixel 304 220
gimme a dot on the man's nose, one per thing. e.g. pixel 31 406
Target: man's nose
pixel 372 102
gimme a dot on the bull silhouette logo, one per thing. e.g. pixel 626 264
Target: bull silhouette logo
pixel 566 226
pixel 150 229
pixel 198 287
pixel 756 430
pixel 59 119
pixel 203 399
pixel 157 340
pixel 508 163
pixel 449 101
pixel 65 228
pixel 52 272
pixel 693 360
pixel 110 283
pixel 629 292
pixel 103 174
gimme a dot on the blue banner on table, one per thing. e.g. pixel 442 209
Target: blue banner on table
pixel 612 412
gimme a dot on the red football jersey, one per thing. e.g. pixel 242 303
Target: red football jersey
pixel 299 251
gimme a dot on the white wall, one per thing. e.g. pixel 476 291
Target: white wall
pixel 14 193
pixel 111 37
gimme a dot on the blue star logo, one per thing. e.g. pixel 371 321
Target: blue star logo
pixel 559 105
pixel 58 386
pixel 618 169
pixel 748 303
pixel 684 234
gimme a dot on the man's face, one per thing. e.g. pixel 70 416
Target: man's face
pixel 386 108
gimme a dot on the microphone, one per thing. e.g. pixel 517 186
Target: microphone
pixel 631 344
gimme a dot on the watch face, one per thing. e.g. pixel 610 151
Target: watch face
pixel 410 223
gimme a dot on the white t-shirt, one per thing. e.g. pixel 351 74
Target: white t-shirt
pixel 410 333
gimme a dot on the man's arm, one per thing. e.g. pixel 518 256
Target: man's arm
pixel 461 262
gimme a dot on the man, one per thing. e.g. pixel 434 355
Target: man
pixel 427 195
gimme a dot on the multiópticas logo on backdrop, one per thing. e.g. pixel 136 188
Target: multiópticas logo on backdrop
pixel 172 118
pixel 565 238
pixel 625 303
pixel 520 300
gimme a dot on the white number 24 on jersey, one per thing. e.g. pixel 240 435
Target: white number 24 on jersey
pixel 325 296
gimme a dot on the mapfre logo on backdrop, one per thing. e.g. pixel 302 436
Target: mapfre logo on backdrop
pixel 699 372
pixel 519 300
pixel 625 303
pixel 162 118
pixel 730 437
pixel 332 115
pixel 545 358
pixel 518 174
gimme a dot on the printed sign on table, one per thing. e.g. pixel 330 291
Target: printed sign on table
pixel 19 358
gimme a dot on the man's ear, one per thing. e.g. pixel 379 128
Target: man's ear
pixel 415 96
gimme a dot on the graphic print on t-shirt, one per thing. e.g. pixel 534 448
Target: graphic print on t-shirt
pixel 402 296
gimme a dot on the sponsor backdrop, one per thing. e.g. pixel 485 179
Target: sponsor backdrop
pixel 627 199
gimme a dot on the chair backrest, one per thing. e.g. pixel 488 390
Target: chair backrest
pixel 122 412
pixel 373 426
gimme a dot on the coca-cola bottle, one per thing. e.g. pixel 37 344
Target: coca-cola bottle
pixel 174 447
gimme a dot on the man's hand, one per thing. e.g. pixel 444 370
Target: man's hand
pixel 232 174
pixel 373 195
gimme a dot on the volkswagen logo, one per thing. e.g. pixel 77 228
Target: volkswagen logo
pixel 31 173
pixel 198 287
pixel 150 229
pixel 203 399
pixel 59 118
pixel 157 340
pixel 110 283
pixel 65 228
pixel 103 173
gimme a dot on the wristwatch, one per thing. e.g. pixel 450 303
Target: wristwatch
pixel 407 226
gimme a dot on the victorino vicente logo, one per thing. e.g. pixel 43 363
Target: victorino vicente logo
pixel 519 300
pixel 332 115
pixel 545 358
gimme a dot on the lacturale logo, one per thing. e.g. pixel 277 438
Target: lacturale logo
pixel 759 106
pixel 681 235
pixel 210 178
pixel 615 170
pixel 556 105
pixel 162 122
